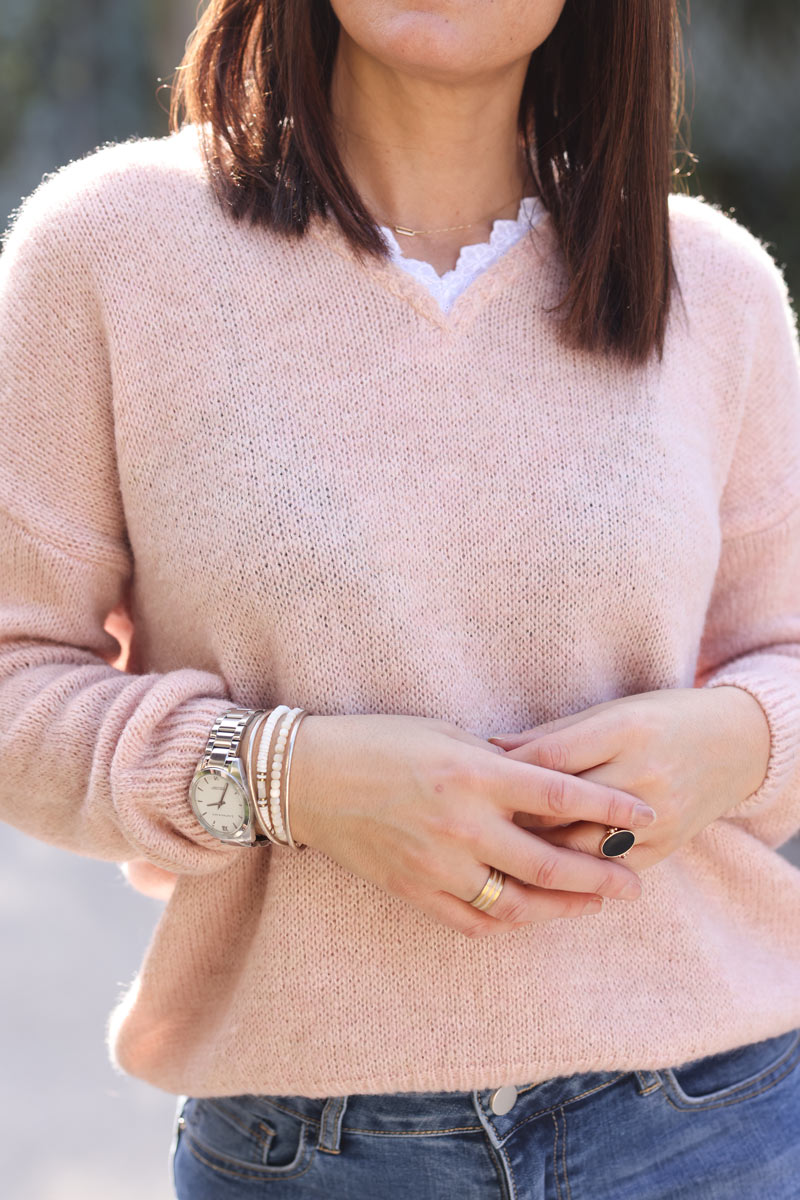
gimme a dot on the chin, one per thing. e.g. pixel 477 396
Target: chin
pixel 436 41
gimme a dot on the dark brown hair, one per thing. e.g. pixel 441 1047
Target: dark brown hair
pixel 600 111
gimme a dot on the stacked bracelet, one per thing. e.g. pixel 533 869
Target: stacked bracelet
pixel 272 780
pixel 289 750
pixel 262 800
pixel 250 761
pixel 275 779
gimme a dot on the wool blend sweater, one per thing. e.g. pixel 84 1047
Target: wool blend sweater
pixel 307 484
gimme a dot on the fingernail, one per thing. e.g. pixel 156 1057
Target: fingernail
pixel 643 814
pixel 500 737
pixel 631 891
pixel 593 906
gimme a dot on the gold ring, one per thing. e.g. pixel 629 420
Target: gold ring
pixel 490 891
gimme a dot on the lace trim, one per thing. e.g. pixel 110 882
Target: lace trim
pixel 472 259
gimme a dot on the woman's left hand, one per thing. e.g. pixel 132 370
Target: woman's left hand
pixel 690 753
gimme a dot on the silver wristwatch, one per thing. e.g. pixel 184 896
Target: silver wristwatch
pixel 219 792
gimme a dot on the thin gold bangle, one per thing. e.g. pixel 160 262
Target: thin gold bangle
pixel 289 751
pixel 250 752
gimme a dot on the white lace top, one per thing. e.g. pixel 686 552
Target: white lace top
pixel 472 259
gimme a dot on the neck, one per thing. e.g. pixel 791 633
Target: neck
pixel 425 154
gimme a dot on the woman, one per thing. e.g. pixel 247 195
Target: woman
pixel 554 501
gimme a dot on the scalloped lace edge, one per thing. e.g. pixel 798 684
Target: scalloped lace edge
pixel 472 259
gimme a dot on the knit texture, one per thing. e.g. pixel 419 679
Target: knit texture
pixel 309 485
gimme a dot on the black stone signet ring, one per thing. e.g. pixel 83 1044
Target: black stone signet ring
pixel 617 842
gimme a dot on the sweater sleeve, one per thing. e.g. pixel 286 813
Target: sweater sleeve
pixel 92 759
pixel 752 632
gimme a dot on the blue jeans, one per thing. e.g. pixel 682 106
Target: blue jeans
pixel 725 1127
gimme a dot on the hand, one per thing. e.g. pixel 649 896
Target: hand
pixel 691 753
pixel 424 810
pixel 149 879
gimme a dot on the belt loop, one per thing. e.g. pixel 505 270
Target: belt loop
pixel 330 1126
pixel 648 1081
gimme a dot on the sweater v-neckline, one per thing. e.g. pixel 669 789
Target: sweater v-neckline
pixel 401 283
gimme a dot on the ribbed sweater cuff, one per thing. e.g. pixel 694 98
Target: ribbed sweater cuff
pixel 151 779
pixel 779 699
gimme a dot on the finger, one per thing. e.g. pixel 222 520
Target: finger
pixel 584 745
pixel 537 790
pixel 518 904
pixel 509 741
pixel 536 861
pixel 607 773
pixel 539 821
pixel 546 727
pixel 447 909
pixel 584 836
pixel 519 901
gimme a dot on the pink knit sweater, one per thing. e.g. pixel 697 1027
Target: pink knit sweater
pixel 309 485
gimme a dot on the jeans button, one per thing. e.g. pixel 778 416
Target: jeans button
pixel 504 1099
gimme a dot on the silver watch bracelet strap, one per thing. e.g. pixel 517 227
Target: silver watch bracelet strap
pixel 226 734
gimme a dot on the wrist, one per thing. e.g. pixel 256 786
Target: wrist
pixel 751 739
pixel 267 752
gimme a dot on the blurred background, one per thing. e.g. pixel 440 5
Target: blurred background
pixel 75 74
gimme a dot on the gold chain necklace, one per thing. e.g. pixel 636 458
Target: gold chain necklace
pixel 449 229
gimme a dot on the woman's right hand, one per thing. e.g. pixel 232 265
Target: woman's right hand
pixel 424 810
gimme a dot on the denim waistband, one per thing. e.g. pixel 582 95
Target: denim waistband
pixel 445 1112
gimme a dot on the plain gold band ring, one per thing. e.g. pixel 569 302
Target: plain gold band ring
pixel 490 891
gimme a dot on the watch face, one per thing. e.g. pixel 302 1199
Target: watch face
pixel 220 802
